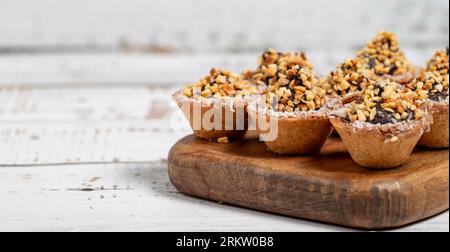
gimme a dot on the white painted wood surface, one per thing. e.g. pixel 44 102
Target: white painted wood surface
pixel 83 142
pixel 130 197
pixel 88 124
pixel 213 25
pixel 151 69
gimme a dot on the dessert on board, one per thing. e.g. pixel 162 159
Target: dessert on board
pixel 381 106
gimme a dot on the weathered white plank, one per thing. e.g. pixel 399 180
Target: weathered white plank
pixel 212 25
pixel 119 69
pixel 35 144
pixel 130 197
pixel 83 125
pixel 149 69
pixel 85 104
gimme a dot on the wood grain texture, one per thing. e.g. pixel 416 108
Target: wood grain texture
pixel 328 187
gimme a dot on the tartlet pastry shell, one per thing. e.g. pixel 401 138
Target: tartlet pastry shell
pixel 372 148
pixel 298 135
pixel 406 77
pixel 213 134
pixel 438 135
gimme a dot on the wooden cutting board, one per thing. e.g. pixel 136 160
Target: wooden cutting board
pixel 328 187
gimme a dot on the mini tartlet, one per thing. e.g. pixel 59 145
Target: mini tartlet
pixel 221 92
pixel 297 104
pixel 346 83
pixel 385 59
pixel 433 83
pixel 382 127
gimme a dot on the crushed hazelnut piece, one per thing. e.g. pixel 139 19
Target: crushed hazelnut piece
pixel 383 56
pixel 301 92
pixel 383 102
pixel 394 139
pixel 223 140
pixel 220 83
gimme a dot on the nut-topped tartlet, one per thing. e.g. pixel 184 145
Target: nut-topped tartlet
pixel 296 104
pixel 382 127
pixel 384 58
pixel 216 105
pixel 273 66
pixel 433 83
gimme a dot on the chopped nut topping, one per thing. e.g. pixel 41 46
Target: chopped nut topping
pixel 384 57
pixel 219 83
pixel 383 102
pixel 347 78
pixel 394 139
pixel 223 140
pixel 273 66
pixel 296 90
pixel 430 85
pixel 433 81
pixel 439 62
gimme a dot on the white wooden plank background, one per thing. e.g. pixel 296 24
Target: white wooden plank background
pixel 83 142
pixel 130 197
pixel 85 125
pixel 212 25
pixel 151 69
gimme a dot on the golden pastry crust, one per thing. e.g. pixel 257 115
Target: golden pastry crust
pixel 223 92
pixel 300 136
pixel 433 87
pixel 438 136
pixel 188 105
pixel 372 148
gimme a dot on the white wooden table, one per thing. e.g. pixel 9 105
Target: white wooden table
pixel 84 141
